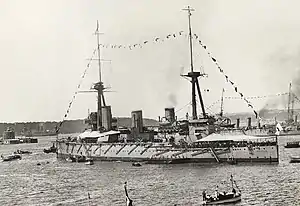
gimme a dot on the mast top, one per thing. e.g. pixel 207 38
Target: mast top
pixel 189 9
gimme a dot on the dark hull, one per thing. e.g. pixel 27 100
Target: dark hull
pixel 225 201
pixel 295 146
pixel 11 158
pixel 174 161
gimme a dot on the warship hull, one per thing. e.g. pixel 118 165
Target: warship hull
pixel 155 154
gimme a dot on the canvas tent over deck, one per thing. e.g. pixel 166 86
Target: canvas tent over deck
pixel 96 136
pixel 219 137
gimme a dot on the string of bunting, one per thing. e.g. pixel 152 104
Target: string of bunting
pixel 226 76
pixel 213 104
pixel 259 97
pixel 146 42
pixel 75 94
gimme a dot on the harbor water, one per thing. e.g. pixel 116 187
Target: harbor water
pixel 57 182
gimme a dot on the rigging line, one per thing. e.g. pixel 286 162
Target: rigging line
pixel 257 97
pixel 75 94
pixel 183 107
pixel 211 112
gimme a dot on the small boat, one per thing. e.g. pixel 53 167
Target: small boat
pixel 223 198
pixel 52 149
pixel 136 164
pixel 227 199
pixel 80 159
pixel 11 157
pixel 292 144
pixel 70 159
pixel 294 159
pixel 89 162
pixel 22 152
pixel 231 161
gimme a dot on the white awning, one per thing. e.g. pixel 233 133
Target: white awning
pixel 97 134
pixel 227 137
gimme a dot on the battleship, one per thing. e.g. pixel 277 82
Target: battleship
pixel 195 139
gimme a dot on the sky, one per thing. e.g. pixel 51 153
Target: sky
pixel 45 46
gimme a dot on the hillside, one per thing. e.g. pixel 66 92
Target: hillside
pixel 69 126
pixel 76 126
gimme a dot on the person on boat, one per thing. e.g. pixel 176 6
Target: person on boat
pixel 128 200
pixel 204 195
pixel 217 194
pixel 233 191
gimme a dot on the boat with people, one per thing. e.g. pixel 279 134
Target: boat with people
pixel 52 149
pixel 81 158
pixel 22 152
pixel 70 159
pixel 136 164
pixel 11 157
pixel 89 161
pixel 195 139
pixel 232 161
pixel 233 196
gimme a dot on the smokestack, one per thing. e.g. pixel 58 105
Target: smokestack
pixel 249 122
pixel 170 114
pixel 137 120
pixel 106 118
pixel 238 123
pixel 296 118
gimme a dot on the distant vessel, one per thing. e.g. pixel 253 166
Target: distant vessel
pixel 292 144
pixel 191 140
pixel 38 132
pixel 294 159
pixel 10 138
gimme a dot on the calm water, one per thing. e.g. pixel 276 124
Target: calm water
pixel 23 182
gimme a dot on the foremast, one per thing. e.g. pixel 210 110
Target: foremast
pixel 99 85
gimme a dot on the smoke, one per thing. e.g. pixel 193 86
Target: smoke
pixel 172 100
pixel 173 85
pixel 273 104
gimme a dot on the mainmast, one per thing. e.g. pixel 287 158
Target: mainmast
pixel 194 75
pixel 289 102
pixel 291 105
pixel 222 103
